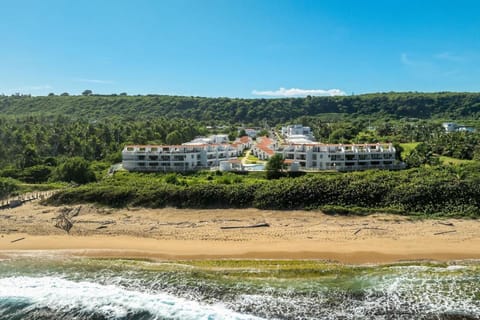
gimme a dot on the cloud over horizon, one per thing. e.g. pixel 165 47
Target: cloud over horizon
pixel 93 81
pixel 296 92
pixel 449 57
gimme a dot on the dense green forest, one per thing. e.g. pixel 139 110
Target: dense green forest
pixel 46 140
pixel 274 111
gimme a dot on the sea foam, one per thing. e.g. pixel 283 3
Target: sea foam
pixel 110 301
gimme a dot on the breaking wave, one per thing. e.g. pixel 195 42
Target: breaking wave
pixel 47 297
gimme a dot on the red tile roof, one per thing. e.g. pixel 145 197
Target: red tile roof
pixel 264 145
pixel 245 139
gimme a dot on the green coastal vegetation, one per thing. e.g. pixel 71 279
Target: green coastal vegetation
pixel 427 191
pixel 70 143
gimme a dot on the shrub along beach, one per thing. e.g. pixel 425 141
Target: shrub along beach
pixel 441 191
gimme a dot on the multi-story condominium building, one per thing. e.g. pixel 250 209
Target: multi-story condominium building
pixel 264 148
pixel 184 157
pixel 175 158
pixel 297 130
pixel 317 156
pixel 251 132
pixel 216 138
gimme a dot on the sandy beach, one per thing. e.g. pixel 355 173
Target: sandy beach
pixel 235 233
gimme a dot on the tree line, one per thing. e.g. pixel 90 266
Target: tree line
pixel 253 111
pixel 32 147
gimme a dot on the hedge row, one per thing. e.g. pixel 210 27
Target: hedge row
pixel 430 191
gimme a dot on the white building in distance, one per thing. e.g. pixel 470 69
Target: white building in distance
pixel 297 130
pixel 453 127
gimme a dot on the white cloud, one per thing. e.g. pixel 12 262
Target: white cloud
pixel 27 89
pixel 44 87
pixel 295 92
pixel 405 60
pixel 97 81
pixel 449 57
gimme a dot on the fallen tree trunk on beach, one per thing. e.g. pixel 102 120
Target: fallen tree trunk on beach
pixel 259 225
pixel 368 228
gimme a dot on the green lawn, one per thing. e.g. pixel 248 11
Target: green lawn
pixel 408 147
pixel 454 161
pixel 252 159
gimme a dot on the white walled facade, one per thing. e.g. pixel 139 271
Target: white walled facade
pixel 176 158
pixel 341 157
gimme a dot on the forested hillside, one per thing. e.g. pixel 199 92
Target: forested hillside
pixel 25 141
pixel 55 140
pixel 396 105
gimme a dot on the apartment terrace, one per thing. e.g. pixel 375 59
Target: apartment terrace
pixel 317 156
pixel 176 157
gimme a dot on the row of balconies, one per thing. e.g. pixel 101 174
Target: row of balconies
pixel 155 150
pixel 347 157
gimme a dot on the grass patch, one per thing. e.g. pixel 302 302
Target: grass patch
pixel 408 148
pixel 454 161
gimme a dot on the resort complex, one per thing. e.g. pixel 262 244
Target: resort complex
pixel 201 153
pixel 296 146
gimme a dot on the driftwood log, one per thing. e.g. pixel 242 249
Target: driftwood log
pixel 367 228
pixel 443 232
pixel 258 225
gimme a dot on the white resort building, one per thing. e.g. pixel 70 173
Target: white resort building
pixel 299 152
pixel 190 156
pixel 317 156
pixel 297 131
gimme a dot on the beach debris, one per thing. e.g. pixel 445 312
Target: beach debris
pixel 367 228
pixel 104 222
pixel 258 225
pixel 443 232
pixel 15 203
pixel 181 224
pixel 16 240
pixel 70 212
pixel 449 224
pixel 62 222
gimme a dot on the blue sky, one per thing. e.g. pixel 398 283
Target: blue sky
pixel 243 48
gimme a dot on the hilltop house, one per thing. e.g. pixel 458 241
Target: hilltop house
pixel 453 127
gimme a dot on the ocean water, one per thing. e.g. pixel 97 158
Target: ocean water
pixel 55 287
